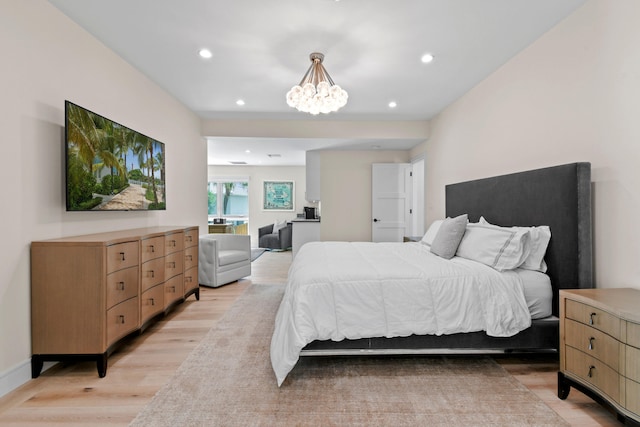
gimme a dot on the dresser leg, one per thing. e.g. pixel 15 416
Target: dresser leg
pixel 36 366
pixel 563 387
pixel 101 362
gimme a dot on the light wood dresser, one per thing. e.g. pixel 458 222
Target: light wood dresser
pixel 600 348
pixel 90 292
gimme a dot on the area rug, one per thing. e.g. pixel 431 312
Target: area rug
pixel 228 381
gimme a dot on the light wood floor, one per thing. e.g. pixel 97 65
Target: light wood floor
pixel 73 395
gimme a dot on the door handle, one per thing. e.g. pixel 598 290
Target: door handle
pixel 375 220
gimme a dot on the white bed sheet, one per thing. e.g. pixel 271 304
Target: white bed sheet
pixel 537 292
pixel 339 290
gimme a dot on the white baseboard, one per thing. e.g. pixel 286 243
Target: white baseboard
pixel 13 378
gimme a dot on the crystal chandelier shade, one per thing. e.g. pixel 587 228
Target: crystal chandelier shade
pixel 317 93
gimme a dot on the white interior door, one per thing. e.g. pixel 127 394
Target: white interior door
pixel 417 182
pixel 391 202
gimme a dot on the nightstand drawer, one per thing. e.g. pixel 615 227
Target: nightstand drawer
pixel 594 372
pixel 632 369
pixel 593 317
pixel 593 342
pixel 633 334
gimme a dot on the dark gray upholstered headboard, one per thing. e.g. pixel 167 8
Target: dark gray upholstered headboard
pixel 558 196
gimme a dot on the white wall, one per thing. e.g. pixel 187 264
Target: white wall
pixel 257 174
pixel 570 96
pixel 46 58
pixel 345 185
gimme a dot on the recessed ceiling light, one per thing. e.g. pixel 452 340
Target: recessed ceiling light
pixel 205 53
pixel 426 58
pixel 240 102
pixel 247 151
pixel 393 104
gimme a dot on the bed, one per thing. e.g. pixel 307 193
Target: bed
pixel 558 197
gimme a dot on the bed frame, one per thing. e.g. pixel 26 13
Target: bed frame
pixel 558 196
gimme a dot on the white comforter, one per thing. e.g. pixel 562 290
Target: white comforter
pixel 339 290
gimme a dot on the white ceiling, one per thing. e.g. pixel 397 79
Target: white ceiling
pixel 261 48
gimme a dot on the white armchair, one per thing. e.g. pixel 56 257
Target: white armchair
pixel 223 258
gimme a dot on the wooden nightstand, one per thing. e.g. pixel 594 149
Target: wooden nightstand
pixel 600 348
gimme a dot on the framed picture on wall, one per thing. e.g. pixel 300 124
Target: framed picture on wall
pixel 278 196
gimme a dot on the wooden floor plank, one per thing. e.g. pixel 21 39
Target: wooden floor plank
pixel 74 395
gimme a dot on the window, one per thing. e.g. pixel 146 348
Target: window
pixel 229 199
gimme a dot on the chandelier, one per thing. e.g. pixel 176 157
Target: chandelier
pixel 316 92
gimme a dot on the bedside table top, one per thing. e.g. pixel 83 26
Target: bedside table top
pixel 624 302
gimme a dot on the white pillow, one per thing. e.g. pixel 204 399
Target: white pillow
pixel 278 225
pixel 498 247
pixel 446 242
pixel 428 237
pixel 539 238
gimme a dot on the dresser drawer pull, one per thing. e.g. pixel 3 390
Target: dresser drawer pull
pixel 189 257
pixel 591 369
pixel 152 248
pixel 152 301
pixel 189 238
pixel 591 340
pixel 120 286
pixel 591 316
pixel 121 256
pixel 188 279
pixel 121 319
pixel 173 289
pixel 173 243
pixel 172 264
pixel 151 273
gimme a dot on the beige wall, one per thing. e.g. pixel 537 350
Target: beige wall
pixel 257 174
pixel 570 96
pixel 345 182
pixel 46 59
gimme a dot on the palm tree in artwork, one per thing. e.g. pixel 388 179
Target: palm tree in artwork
pixel 143 146
pixel 109 150
pixel 83 134
pixel 160 163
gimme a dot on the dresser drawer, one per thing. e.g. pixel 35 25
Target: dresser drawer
pixel 191 279
pixel 190 257
pixel 122 285
pixel 190 238
pixel 173 265
pixel 174 242
pixel 594 372
pixel 633 334
pixel 152 248
pixel 151 302
pixel 633 396
pixel 593 317
pixel 122 319
pixel 173 290
pixel 152 273
pixel 122 255
pixel 593 342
